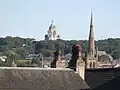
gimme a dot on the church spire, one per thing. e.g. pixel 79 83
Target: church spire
pixel 91 21
pixel 91 45
pixel 92 56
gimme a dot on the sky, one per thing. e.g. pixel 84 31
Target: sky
pixel 31 18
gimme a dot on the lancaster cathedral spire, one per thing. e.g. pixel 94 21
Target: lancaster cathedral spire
pixel 91 45
pixel 92 58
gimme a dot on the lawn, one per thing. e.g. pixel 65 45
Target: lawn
pixel 23 61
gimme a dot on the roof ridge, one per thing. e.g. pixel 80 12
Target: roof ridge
pixel 37 68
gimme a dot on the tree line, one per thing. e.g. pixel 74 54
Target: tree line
pixel 110 46
pixel 21 47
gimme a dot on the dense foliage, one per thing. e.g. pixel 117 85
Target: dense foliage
pixel 111 46
pixel 18 47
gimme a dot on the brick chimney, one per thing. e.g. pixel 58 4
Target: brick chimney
pixel 57 62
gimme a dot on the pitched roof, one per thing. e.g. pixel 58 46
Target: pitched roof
pixel 40 79
pixel 100 76
pixel 112 84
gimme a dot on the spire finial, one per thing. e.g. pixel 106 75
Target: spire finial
pixel 91 22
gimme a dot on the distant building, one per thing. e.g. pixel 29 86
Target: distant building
pixel 31 56
pixel 91 58
pixel 52 34
pixel 101 53
pixel 46 37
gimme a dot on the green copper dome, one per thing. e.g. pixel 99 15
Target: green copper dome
pixel 53 26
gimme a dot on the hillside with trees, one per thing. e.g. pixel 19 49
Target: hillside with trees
pixel 111 46
pixel 19 48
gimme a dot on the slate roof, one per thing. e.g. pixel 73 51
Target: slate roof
pixel 101 77
pixel 16 78
pixel 113 84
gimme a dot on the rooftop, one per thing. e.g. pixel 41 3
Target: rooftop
pixel 19 78
pixel 36 68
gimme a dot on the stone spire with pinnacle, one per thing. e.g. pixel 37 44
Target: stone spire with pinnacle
pixel 91 45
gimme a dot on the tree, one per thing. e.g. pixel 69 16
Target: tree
pixel 47 47
pixel 11 56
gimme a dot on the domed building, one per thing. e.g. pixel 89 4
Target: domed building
pixel 52 33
